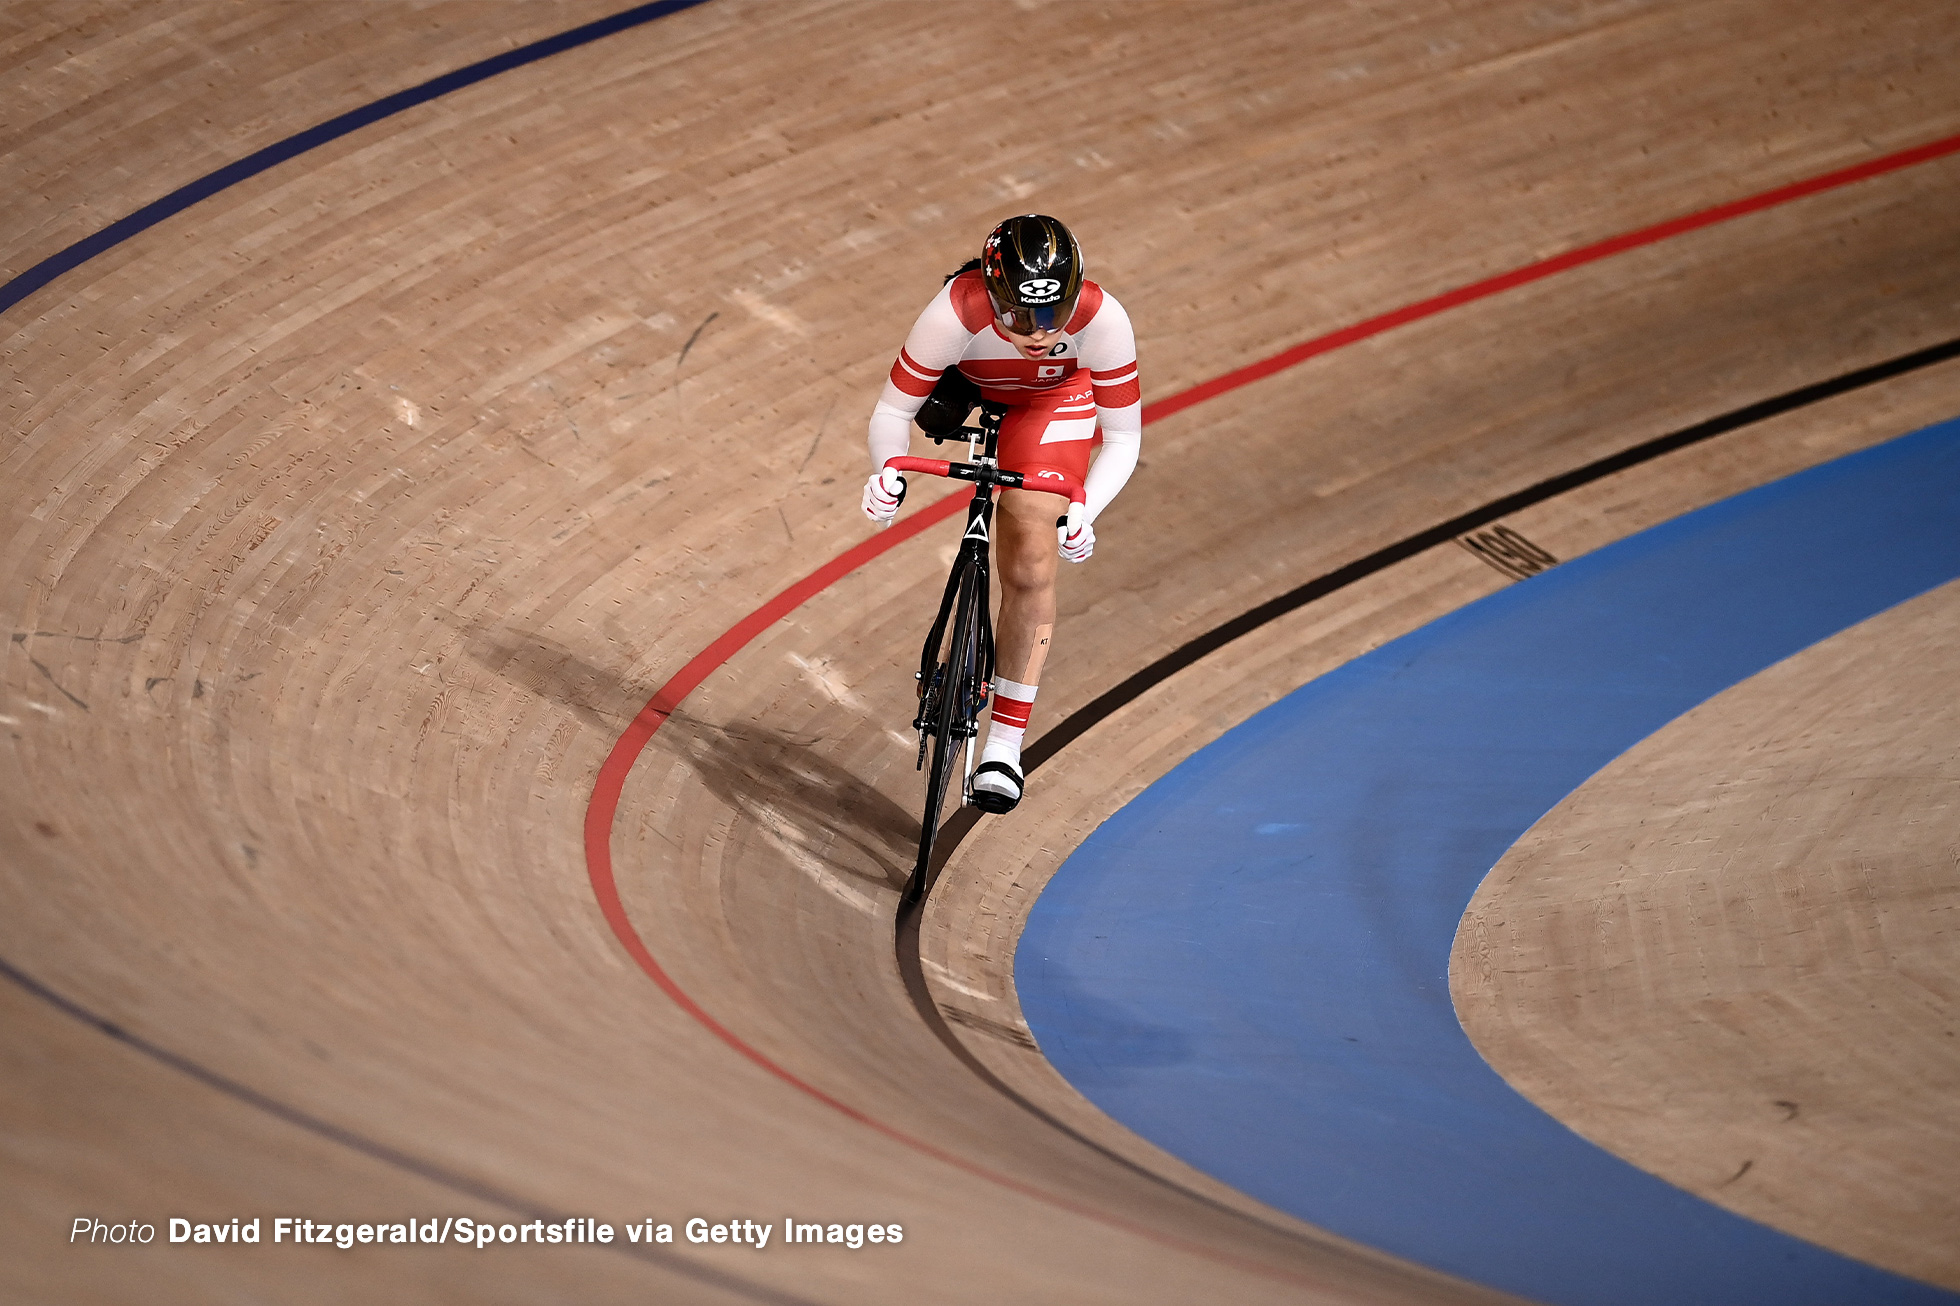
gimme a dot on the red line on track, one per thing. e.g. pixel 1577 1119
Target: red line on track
pixel 1546 267
pixel 611 780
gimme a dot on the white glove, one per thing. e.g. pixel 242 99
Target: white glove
pixel 882 495
pixel 1078 546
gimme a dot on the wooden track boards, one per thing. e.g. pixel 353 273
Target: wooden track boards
pixel 1796 1061
pixel 349 517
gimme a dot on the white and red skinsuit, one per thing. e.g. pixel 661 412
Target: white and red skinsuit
pixel 1055 408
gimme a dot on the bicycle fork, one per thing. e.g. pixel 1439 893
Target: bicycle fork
pixel 967 673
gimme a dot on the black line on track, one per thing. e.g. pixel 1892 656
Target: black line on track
pixel 474 1189
pixel 333 129
pixel 1086 717
pixel 1104 705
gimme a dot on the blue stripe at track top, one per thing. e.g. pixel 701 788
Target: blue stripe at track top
pixel 1249 964
pixel 203 188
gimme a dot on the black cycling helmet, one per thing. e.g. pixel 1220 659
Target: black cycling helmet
pixel 1033 270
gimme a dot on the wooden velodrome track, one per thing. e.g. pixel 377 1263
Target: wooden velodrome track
pixel 354 512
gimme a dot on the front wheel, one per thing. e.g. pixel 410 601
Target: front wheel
pixel 953 720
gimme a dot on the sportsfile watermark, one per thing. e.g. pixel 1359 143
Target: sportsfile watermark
pixel 479 1235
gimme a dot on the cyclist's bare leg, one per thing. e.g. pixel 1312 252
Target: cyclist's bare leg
pixel 1024 538
pixel 1026 562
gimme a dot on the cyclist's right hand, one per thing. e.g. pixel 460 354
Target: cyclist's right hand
pixel 882 495
pixel 1077 544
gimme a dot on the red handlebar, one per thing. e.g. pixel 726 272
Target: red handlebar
pixel 1051 481
pixel 930 466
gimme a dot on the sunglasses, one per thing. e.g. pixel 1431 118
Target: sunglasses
pixel 1041 317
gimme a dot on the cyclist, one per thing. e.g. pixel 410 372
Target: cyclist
pixel 1019 326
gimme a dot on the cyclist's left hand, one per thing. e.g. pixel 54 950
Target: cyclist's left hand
pixel 1078 546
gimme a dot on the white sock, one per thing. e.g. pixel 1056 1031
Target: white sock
pixel 1012 703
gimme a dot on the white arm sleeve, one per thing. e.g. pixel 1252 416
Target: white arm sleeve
pixel 1113 465
pixel 891 431
pixel 935 343
pixel 1109 350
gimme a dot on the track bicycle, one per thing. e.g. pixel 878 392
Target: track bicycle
pixel 956 666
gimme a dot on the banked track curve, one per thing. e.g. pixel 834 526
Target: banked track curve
pixel 1355 333
pixel 610 782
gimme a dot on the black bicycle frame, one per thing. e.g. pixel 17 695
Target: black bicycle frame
pixel 973 556
pixel 952 692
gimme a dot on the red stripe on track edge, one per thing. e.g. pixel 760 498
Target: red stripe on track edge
pixel 611 781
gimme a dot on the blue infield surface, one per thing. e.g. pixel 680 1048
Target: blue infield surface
pixel 1248 965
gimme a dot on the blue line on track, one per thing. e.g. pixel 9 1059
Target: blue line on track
pixel 1248 965
pixel 333 129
